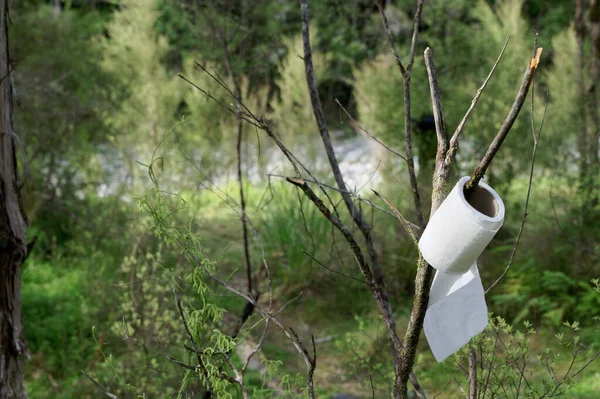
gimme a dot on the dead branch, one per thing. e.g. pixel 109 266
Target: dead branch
pixel 97 384
pixel 454 140
pixel 535 144
pixel 381 295
pixel 442 173
pixel 388 33
pixel 406 74
pixel 507 125
pixel 405 223
pixel 359 127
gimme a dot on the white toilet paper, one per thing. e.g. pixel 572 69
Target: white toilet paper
pixel 460 230
pixel 454 238
pixel 456 312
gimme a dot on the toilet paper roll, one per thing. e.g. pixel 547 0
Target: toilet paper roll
pixel 460 230
pixel 456 312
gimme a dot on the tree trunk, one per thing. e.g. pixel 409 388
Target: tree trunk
pixel 595 78
pixel 582 142
pixel 13 248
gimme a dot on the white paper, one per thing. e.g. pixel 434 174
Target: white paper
pixel 457 233
pixel 453 240
pixel 456 312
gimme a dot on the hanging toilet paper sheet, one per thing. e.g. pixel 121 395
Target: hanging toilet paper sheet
pixel 454 238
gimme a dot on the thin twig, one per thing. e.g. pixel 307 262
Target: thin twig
pixel 454 140
pixel 440 179
pixel 388 33
pixel 405 223
pixel 507 125
pixel 330 269
pixel 110 395
pixel 516 246
pixel 353 194
pixel 406 75
pixel 358 126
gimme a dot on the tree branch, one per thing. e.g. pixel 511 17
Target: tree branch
pixel 370 279
pixel 424 270
pixel 359 127
pixel 473 373
pixel 381 294
pixel 388 33
pixel 454 140
pixel 535 144
pixel 507 125
pixel 97 384
pixel 406 74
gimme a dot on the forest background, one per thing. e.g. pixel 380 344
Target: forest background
pixel 99 98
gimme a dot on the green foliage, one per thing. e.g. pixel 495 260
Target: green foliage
pixel 149 98
pixel 379 98
pixel 289 229
pixel 507 364
pixel 554 298
pixel 292 111
pixel 57 314
pixel 98 102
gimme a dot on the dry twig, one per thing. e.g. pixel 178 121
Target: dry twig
pixel 507 125
pixel 454 140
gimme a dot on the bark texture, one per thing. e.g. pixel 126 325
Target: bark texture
pixel 13 247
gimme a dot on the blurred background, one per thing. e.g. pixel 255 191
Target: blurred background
pixel 98 97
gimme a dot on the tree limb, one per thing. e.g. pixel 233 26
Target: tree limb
pixel 507 125
pixel 535 144
pixel 406 74
pixel 454 140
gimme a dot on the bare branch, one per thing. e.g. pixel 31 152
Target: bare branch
pixel 424 270
pixel 454 140
pixel 535 143
pixel 388 33
pixel 362 263
pixel 110 395
pixel 472 373
pixel 507 125
pixel 405 223
pixel 378 287
pixel 210 96
pixel 409 155
pixel 406 73
pixel 352 193
pixel 365 270
pixel 330 269
pixel 442 173
pixel 436 101
pixel 358 126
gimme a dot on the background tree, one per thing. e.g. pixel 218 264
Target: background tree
pixel 13 348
